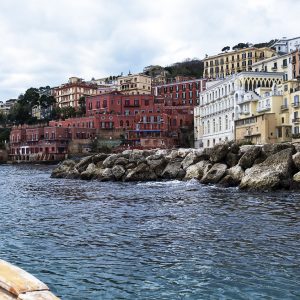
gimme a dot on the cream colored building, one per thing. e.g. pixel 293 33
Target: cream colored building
pixel 225 101
pixel 264 118
pixel 278 63
pixel 224 64
pixel 68 94
pixel 136 84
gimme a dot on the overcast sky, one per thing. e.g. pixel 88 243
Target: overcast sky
pixel 44 42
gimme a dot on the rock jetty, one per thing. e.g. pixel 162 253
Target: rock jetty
pixel 251 167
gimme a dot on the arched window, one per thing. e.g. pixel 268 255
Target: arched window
pixel 121 123
pixel 208 127
pixel 127 123
pixel 220 124
pixel 226 122
pixel 214 125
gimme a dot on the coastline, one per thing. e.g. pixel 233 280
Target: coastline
pixel 249 167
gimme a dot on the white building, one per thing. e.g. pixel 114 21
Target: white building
pixel 278 63
pixel 220 105
pixel 286 45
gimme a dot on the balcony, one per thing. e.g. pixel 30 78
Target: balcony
pixel 284 107
pixel 274 68
pixel 296 104
pixel 245 112
pixel 250 134
pixel 296 120
pixel 284 66
pixel 263 109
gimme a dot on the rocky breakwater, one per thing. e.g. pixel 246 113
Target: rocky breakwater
pixel 265 167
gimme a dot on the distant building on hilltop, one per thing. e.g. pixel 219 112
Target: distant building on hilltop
pixel 286 45
pixel 135 84
pixel 68 94
pixel 227 63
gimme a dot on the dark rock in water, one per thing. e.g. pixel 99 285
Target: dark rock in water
pixel 229 181
pixel 122 161
pixel 83 163
pixel 249 157
pixel 99 158
pixel 172 169
pixel 141 173
pixel 275 172
pixel 214 174
pixel 296 159
pixel 231 159
pixel 110 161
pixel 270 149
pixel 89 172
pixel 219 152
pixel 198 170
pixel 234 148
pixel 118 171
pixel 63 169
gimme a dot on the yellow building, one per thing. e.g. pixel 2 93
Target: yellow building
pixel 134 84
pixel 264 117
pixel 223 64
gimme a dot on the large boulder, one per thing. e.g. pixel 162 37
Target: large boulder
pixel 214 174
pixel 157 163
pixel 121 161
pixel 63 169
pixel 172 170
pixel 236 173
pixel 191 159
pixel 141 173
pixel 296 159
pixel 104 174
pixel 99 158
pixel 231 159
pixel 233 177
pixel 219 153
pixel 83 163
pixel 275 172
pixel 89 172
pixel 270 149
pixel 110 161
pixel 248 158
pixel 118 171
pixel 196 171
pixel 137 156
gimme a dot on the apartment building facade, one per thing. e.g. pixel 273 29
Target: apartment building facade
pixel 134 84
pixel 68 94
pixel 227 63
pixel 225 101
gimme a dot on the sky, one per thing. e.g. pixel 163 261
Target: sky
pixel 44 42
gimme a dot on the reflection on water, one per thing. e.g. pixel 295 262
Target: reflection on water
pixel 157 240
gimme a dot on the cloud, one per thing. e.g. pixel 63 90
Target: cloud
pixel 46 42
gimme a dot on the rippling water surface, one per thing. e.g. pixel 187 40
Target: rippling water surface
pixel 162 240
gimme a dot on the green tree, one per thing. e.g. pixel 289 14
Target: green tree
pixel 82 106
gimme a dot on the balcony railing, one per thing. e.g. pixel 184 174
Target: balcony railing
pixel 284 107
pixel 262 109
pixel 296 120
pixel 296 104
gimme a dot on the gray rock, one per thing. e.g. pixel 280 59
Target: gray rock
pixel 118 171
pixel 172 169
pixel 236 173
pixel 141 173
pixel 191 159
pixel 110 161
pixel 219 153
pixel 214 174
pixel 99 158
pixel 245 148
pixel 83 163
pixel 296 159
pixel 121 161
pixel 275 172
pixel 104 174
pixel 231 159
pixel 249 157
pixel 228 181
pixel 270 149
pixel 63 169
pixel 234 148
pixel 137 157
pixel 198 170
pixel 89 172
